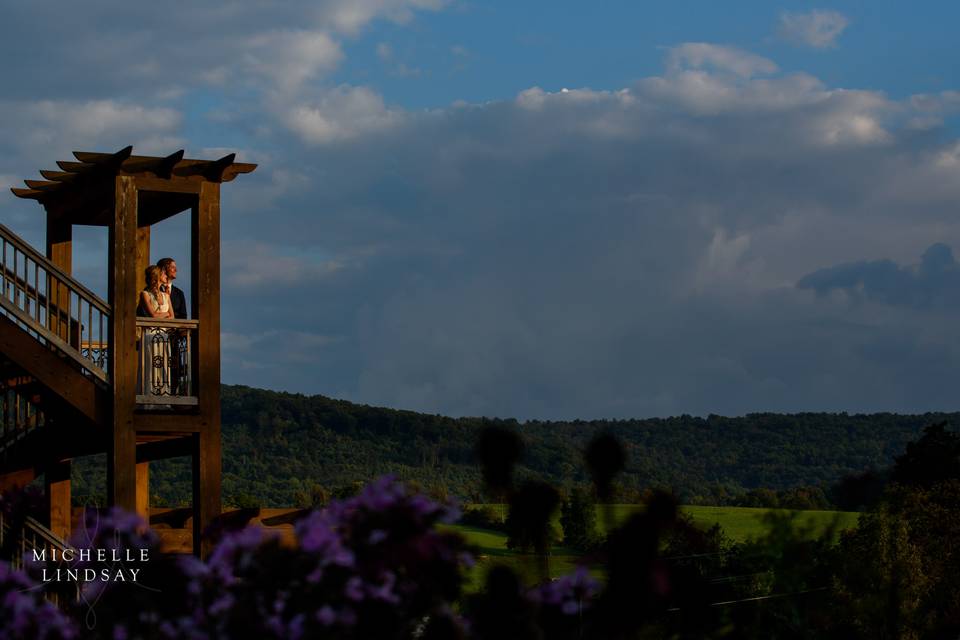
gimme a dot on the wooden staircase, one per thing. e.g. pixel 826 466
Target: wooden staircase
pixel 55 351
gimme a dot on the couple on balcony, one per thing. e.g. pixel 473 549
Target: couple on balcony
pixel 161 348
pixel 160 299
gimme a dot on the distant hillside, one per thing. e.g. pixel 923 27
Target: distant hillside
pixel 278 447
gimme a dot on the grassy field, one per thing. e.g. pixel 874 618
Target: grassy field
pixel 738 523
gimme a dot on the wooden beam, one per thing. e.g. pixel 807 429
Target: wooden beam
pixel 59 251
pixel 176 422
pixel 30 194
pixel 17 479
pixel 163 449
pixel 149 183
pixel 57 484
pixel 53 371
pixel 143 490
pixel 143 257
pixel 174 518
pixel 121 463
pixel 206 489
pixel 75 167
pixel 42 185
pixel 214 171
pixel 160 167
pixel 58 176
pixel 205 290
pixel 104 159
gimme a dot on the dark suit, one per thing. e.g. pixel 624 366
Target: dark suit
pixel 179 303
pixel 178 369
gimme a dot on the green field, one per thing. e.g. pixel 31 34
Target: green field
pixel 742 523
pixel 738 523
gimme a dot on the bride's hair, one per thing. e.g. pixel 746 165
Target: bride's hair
pixel 152 277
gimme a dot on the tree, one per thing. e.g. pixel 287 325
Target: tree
pixel 934 458
pixel 578 518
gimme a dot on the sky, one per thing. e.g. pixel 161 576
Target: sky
pixel 536 210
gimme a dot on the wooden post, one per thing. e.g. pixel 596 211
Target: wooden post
pixel 60 252
pixel 143 490
pixel 205 291
pixel 121 463
pixel 57 483
pixel 143 256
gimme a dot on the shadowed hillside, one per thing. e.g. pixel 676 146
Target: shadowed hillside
pixel 282 449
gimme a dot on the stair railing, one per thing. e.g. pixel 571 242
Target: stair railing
pixel 52 306
pixel 32 537
pixel 20 413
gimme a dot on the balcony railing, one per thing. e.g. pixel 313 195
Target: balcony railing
pixel 165 375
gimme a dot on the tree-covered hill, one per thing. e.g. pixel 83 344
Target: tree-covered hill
pixel 282 449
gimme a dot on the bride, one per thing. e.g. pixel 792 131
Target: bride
pixel 155 303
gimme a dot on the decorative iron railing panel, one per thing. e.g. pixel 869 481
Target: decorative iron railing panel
pixel 167 351
pixel 53 307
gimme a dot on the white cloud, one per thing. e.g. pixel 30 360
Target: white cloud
pixel 42 131
pixel 818 28
pixel 288 59
pixel 341 114
pixel 702 55
pixel 253 265
pixel 349 16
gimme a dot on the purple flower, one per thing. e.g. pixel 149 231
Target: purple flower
pixel 354 589
pixel 571 593
pixel 25 613
pixel 326 615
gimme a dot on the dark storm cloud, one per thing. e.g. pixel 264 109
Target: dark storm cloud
pixel 934 283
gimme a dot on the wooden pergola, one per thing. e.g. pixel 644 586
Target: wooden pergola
pixel 127 194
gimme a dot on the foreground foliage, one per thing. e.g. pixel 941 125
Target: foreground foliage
pixel 377 565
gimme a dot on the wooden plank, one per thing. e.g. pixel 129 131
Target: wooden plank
pixel 143 257
pixel 173 518
pixel 175 540
pixel 168 422
pixel 143 490
pixel 205 290
pixel 53 372
pixel 30 194
pixel 121 465
pixel 17 479
pixel 163 449
pixel 149 183
pixel 206 487
pixel 160 167
pixel 59 251
pixel 58 176
pixel 108 159
pixel 42 185
pixel 183 401
pixel 75 167
pixel 57 484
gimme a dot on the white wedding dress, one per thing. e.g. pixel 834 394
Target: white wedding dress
pixel 156 353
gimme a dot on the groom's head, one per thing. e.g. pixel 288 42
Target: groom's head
pixel 169 267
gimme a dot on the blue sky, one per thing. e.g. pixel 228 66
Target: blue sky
pixel 540 210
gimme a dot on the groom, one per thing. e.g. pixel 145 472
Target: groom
pixel 169 266
pixel 178 369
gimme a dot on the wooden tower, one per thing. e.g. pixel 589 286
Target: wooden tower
pixel 81 375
